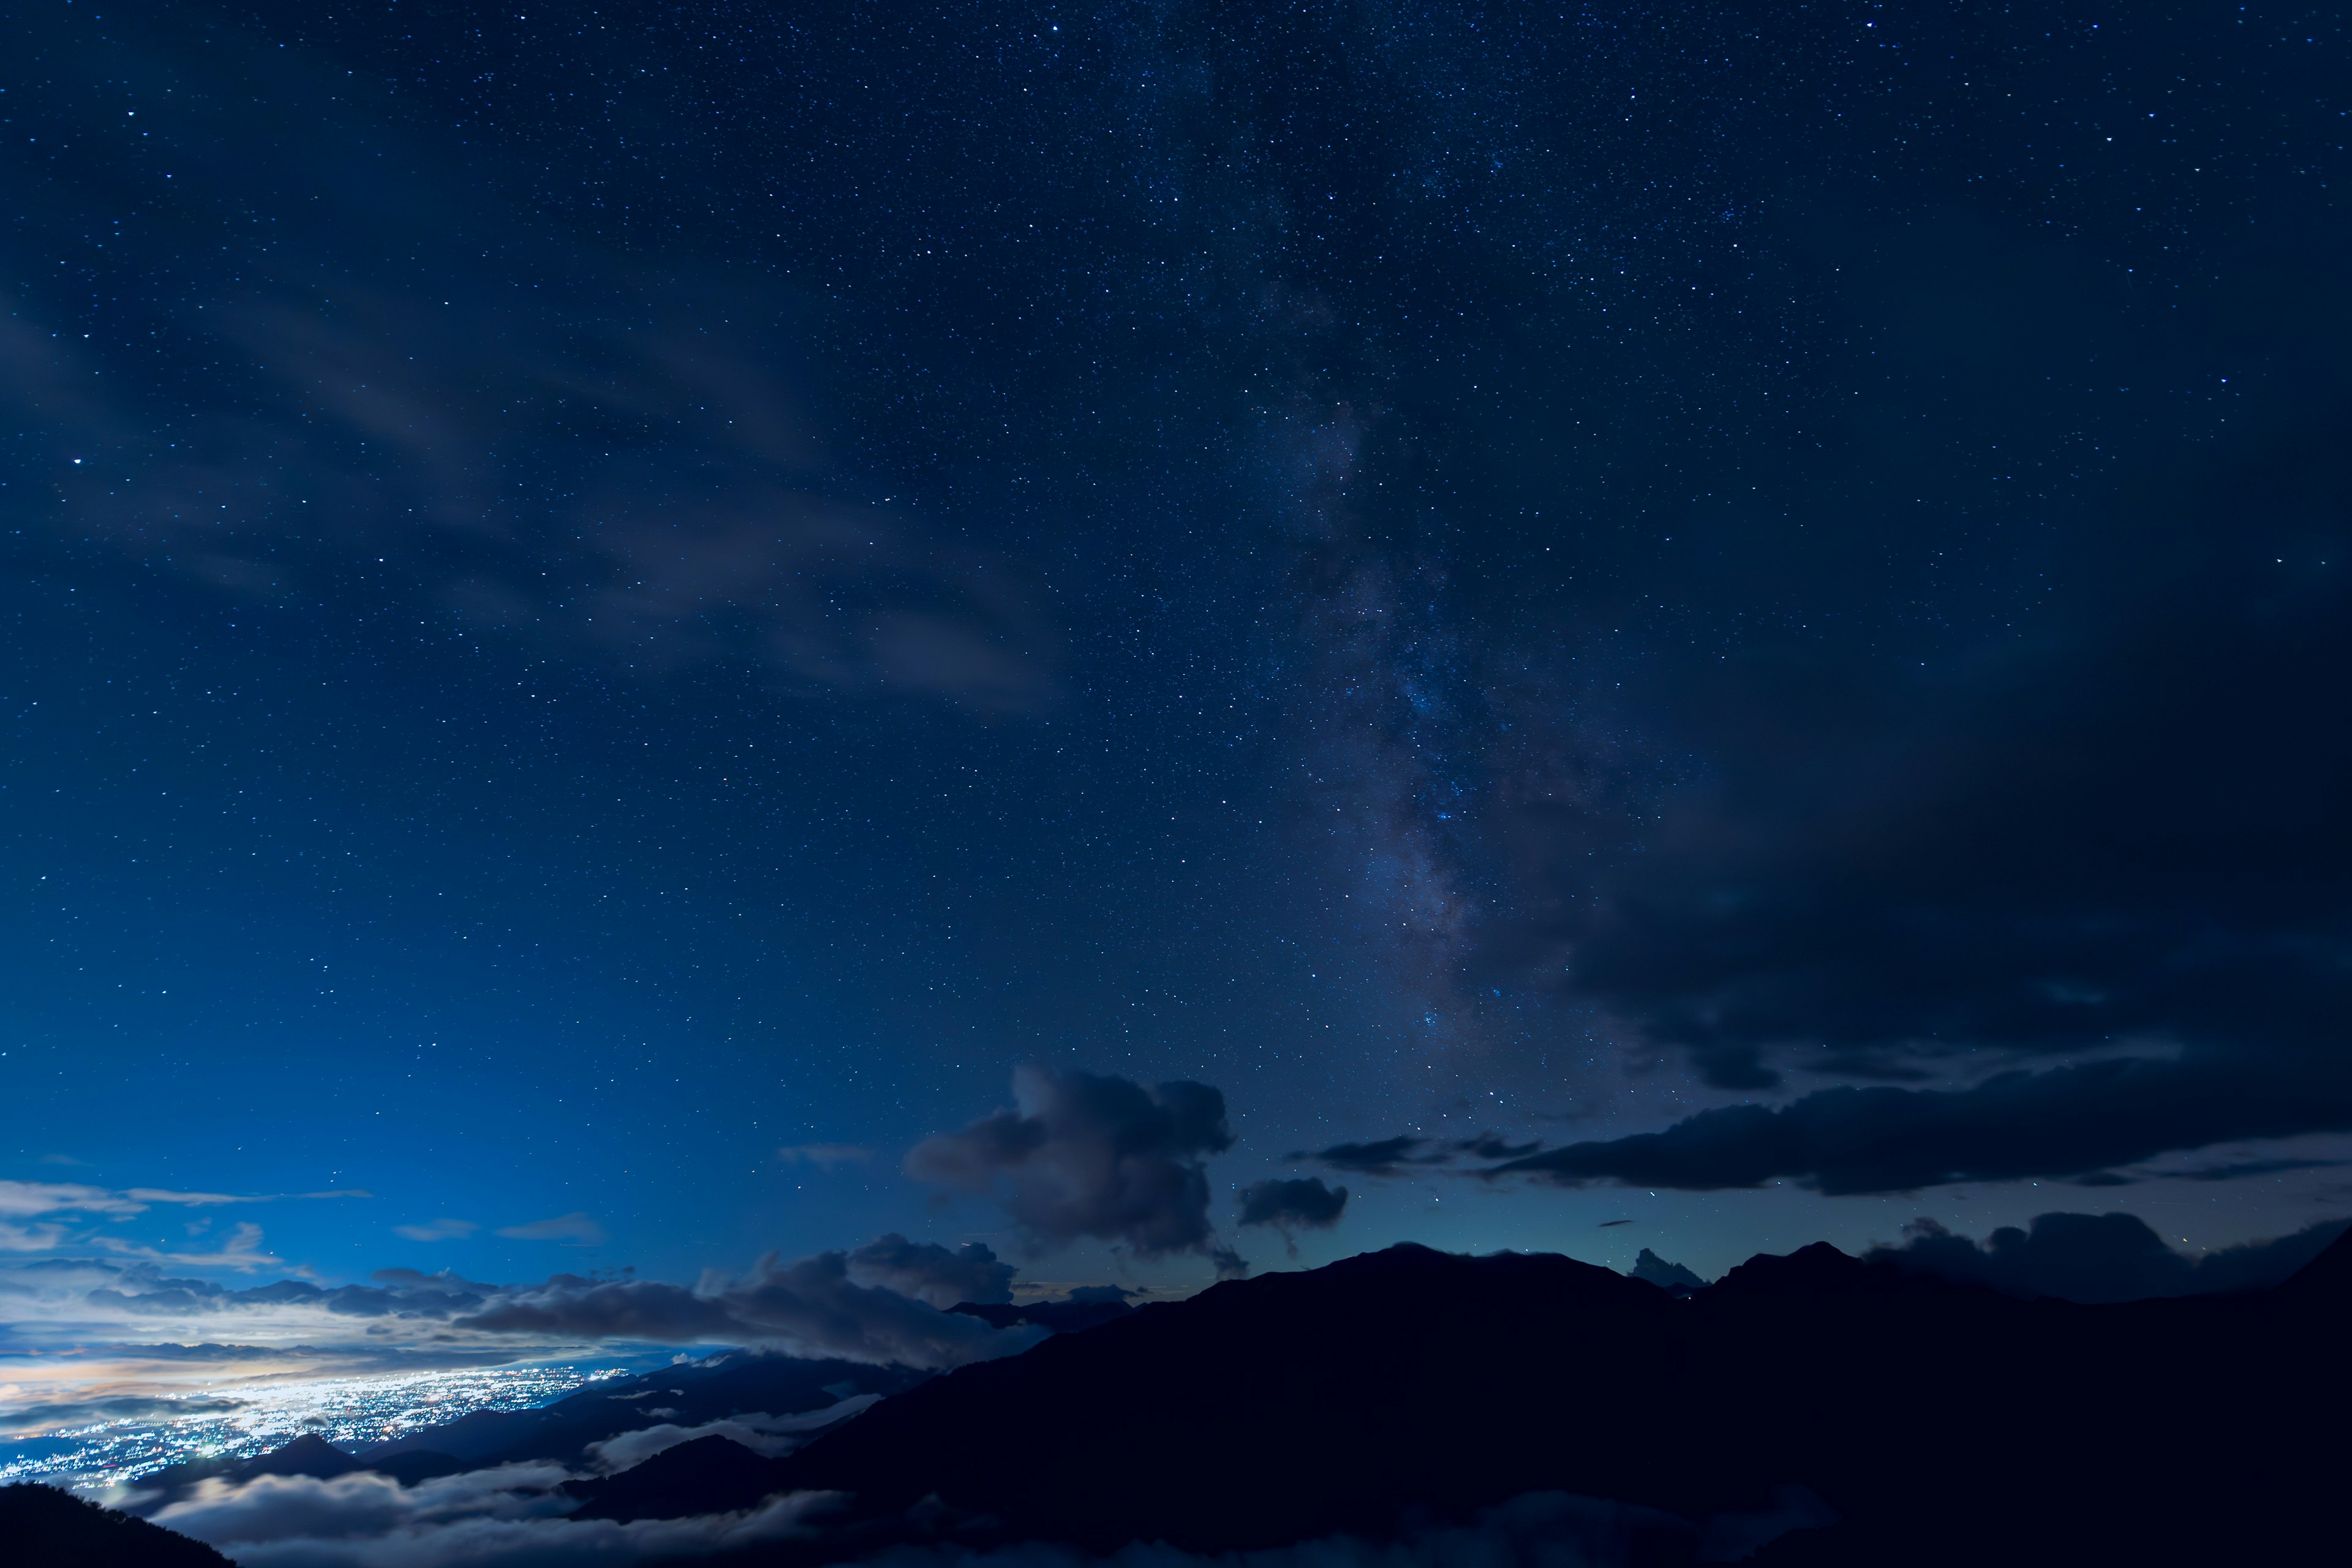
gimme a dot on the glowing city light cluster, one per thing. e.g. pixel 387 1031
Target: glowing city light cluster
pixel 350 1412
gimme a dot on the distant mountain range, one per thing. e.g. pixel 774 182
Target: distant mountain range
pixel 1835 1412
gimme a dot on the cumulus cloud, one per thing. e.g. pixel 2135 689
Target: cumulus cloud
pixel 2064 1121
pixel 574 1227
pixel 929 1272
pixel 1290 1207
pixel 1082 1155
pixel 2100 1257
pixel 809 1306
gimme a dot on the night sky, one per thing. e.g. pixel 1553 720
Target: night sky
pixel 1731 618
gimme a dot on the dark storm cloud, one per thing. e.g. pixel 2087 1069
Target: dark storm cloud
pixel 1393 1157
pixel 409 394
pixel 1290 1207
pixel 2064 1121
pixel 1082 1155
pixel 811 1306
pixel 1307 1203
pixel 2237 1170
pixel 1381 1157
pixel 2101 1257
pixel 2120 833
pixel 929 1272
pixel 1963 719
pixel 2134 835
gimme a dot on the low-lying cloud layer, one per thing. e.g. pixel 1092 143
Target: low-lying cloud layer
pixel 2101 1257
pixel 513 1517
pixel 95 1339
pixel 503 1517
pixel 2064 1121
pixel 809 1306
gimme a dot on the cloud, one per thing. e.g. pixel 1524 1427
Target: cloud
pixel 774 1436
pixel 241 1251
pixel 29 1419
pixel 574 1228
pixel 48 1203
pixel 1084 1156
pixel 809 1306
pixel 1392 1156
pixel 165 1196
pixel 508 1517
pixel 1293 1206
pixel 2125 837
pixel 29 1237
pixel 2100 1257
pixel 20 1200
pixel 514 1517
pixel 1382 1157
pixel 931 1273
pixel 619 470
pixel 437 1230
pixel 140 1292
pixel 2064 1121
pixel 823 1156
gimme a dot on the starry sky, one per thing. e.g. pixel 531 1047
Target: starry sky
pixel 1731 618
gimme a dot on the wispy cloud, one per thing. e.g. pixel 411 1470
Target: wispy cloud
pixel 437 1230
pixel 825 1156
pixel 242 1252
pixel 20 1200
pixel 574 1227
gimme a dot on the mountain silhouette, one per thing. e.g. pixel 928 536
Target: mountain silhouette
pixel 709 1475
pixel 1938 1423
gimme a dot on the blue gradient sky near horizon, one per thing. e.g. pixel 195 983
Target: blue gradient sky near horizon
pixel 591 599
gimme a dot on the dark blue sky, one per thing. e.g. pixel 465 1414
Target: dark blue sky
pixel 590 595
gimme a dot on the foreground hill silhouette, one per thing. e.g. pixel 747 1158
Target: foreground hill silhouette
pixel 42 1527
pixel 1941 1423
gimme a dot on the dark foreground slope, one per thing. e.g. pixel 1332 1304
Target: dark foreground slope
pixel 1943 1423
pixel 42 1527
